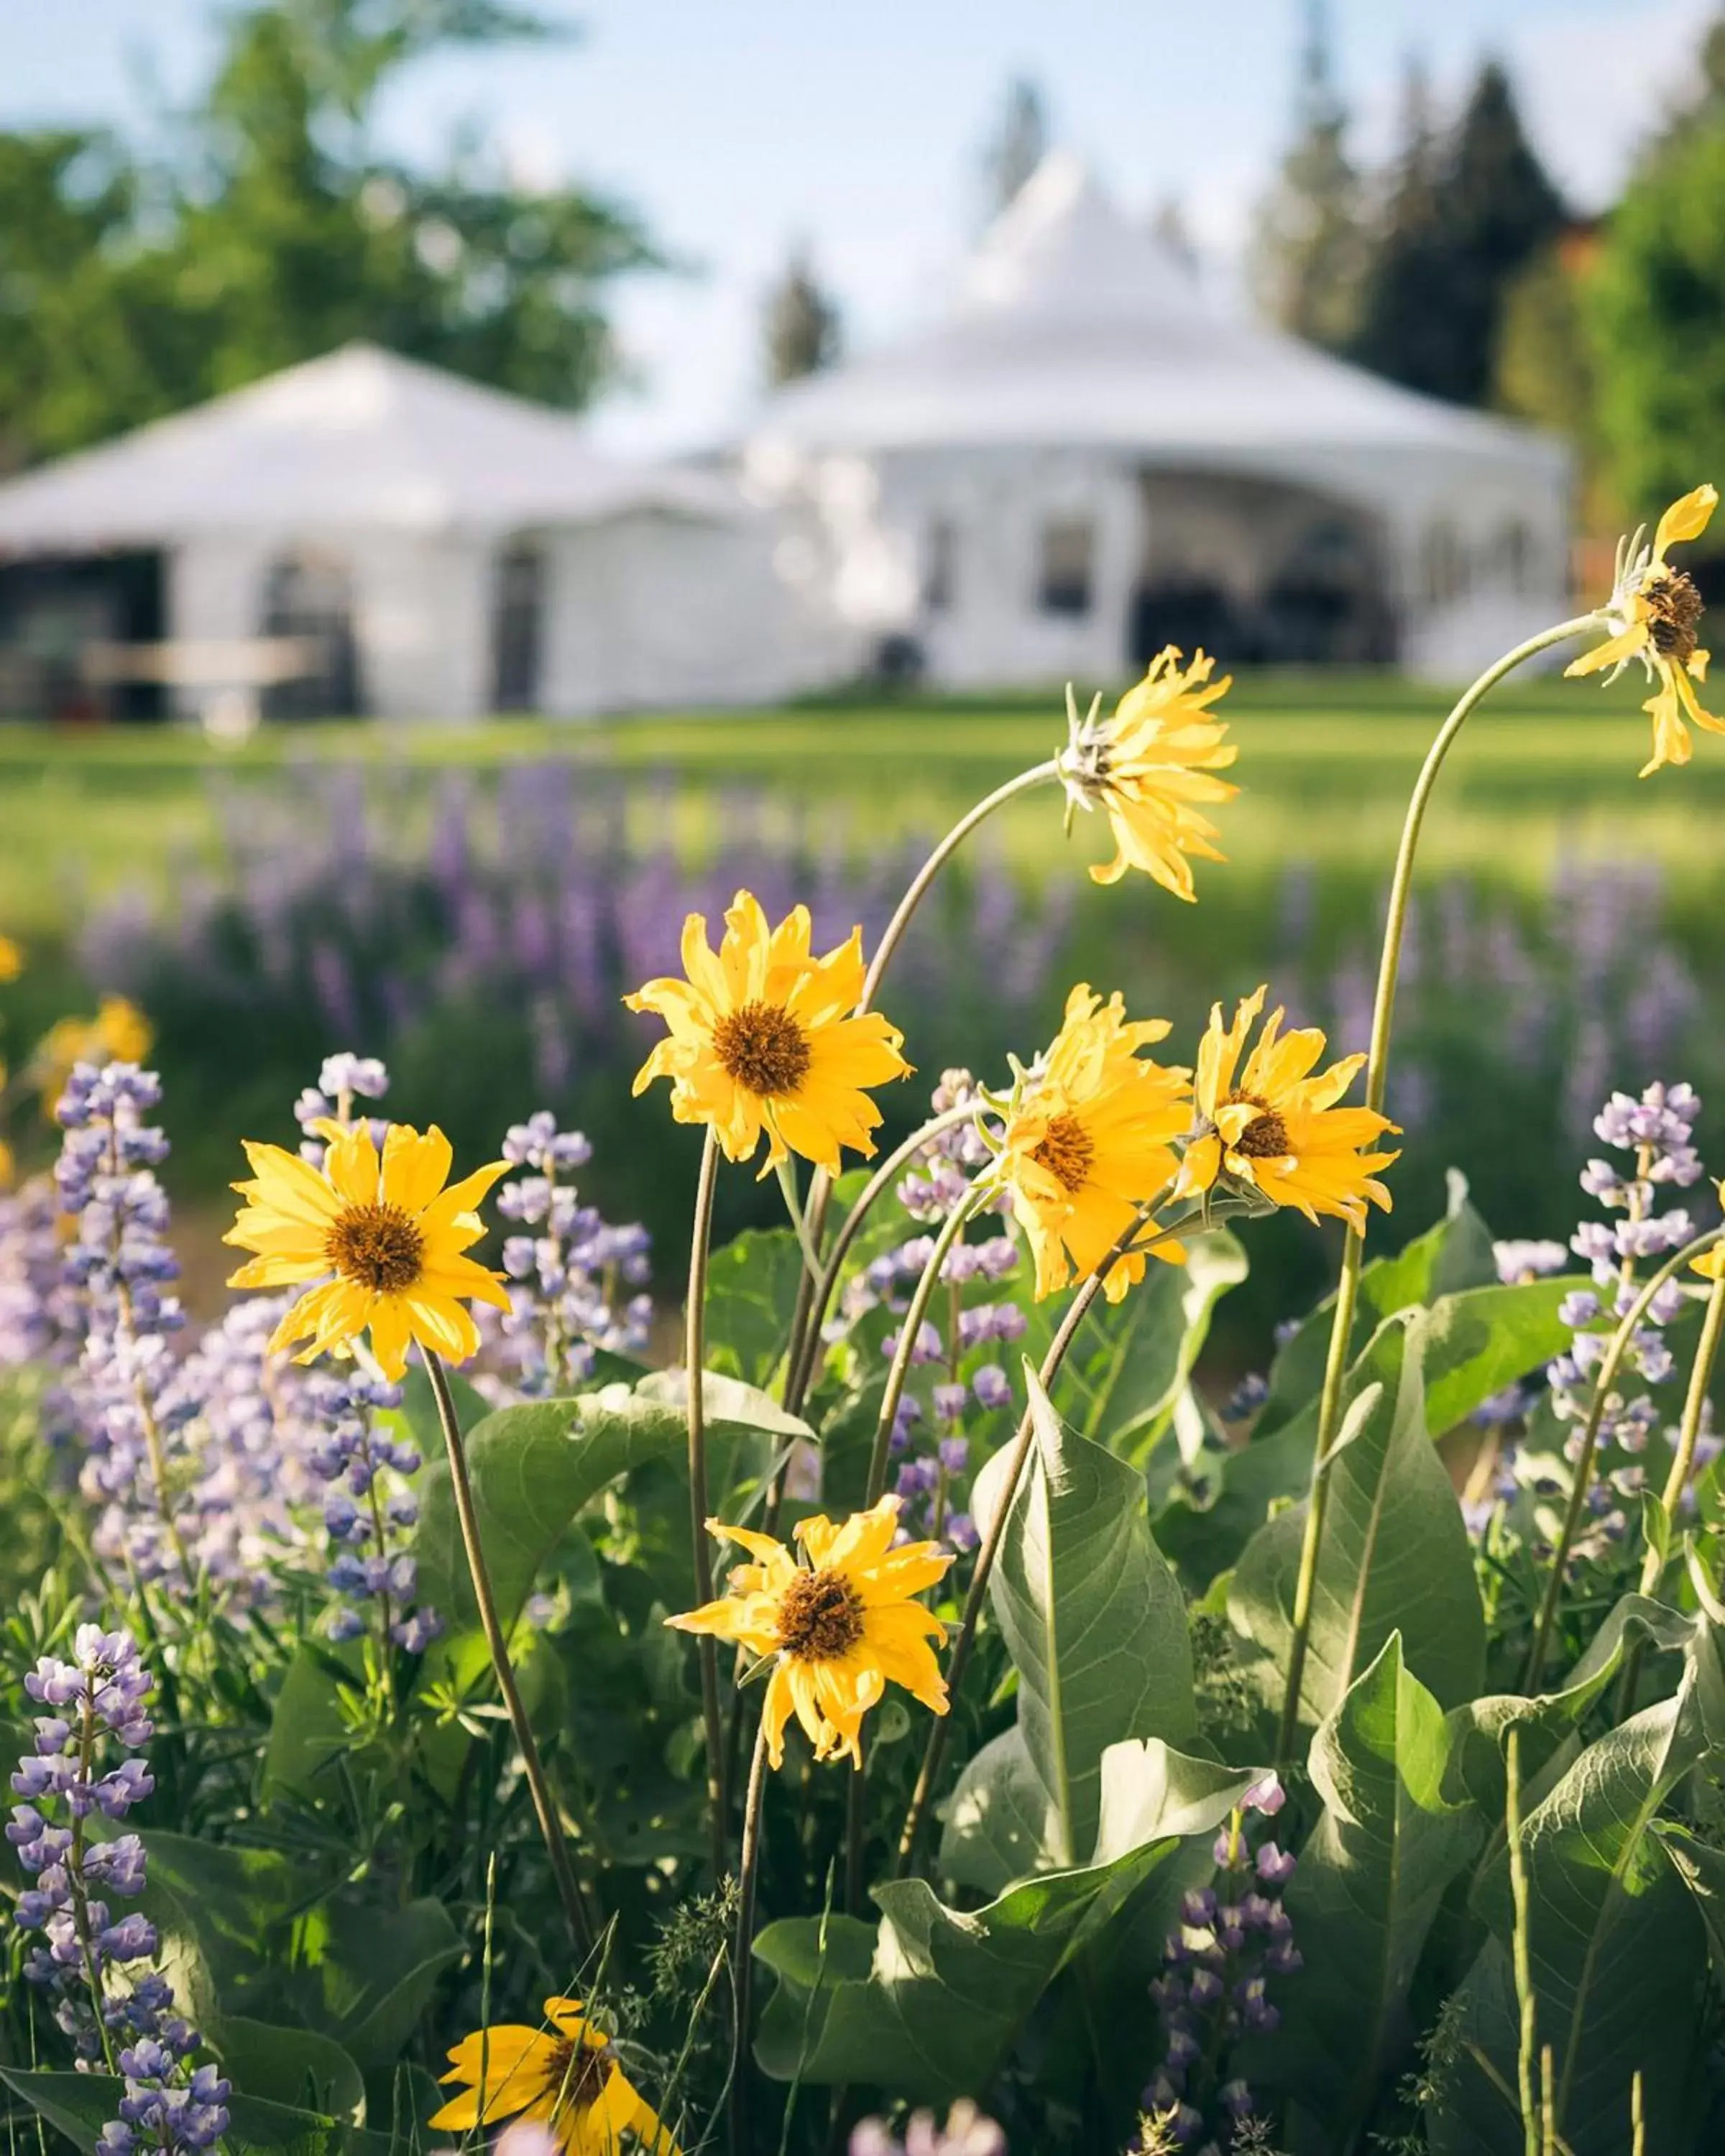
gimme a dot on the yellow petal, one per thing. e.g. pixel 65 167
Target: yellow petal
pixel 1685 519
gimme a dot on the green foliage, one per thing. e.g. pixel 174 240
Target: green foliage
pixel 285 229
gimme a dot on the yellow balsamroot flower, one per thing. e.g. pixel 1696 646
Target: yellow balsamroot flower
pixel 379 1234
pixel 839 1626
pixel 569 2079
pixel 1278 1129
pixel 1089 1137
pixel 119 1033
pixel 1654 615
pixel 761 1039
pixel 1711 1263
pixel 1147 767
pixel 8 1164
pixel 12 959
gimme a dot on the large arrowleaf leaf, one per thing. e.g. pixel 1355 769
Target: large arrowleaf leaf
pixel 1370 1879
pixel 1474 1342
pixel 1618 1953
pixel 1097 1628
pixel 927 2003
pixel 1393 1556
pixel 751 1293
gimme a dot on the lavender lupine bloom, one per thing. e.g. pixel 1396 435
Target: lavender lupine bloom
pixel 30 1331
pixel 343 1079
pixel 98 1706
pixel 368 1508
pixel 566 1276
pixel 1657 1132
pixel 128 1398
pixel 1235 1937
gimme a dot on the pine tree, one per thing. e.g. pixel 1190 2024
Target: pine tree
pixel 1306 252
pixel 1018 147
pixel 1396 316
pixel 803 328
pixel 1452 244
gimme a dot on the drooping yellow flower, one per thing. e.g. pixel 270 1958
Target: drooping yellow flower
pixel 1655 616
pixel 1089 1138
pixel 381 1236
pixel 119 1033
pixel 1147 767
pixel 839 1626
pixel 12 959
pixel 761 1039
pixel 570 2079
pixel 1278 1128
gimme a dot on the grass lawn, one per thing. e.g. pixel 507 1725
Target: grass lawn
pixel 1326 763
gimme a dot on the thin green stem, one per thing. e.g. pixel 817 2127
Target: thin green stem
pixel 1039 774
pixel 544 1803
pixel 1329 1411
pixel 749 1872
pixel 882 1179
pixel 1695 1402
pixel 934 1752
pixel 75 1875
pixel 695 1364
pixel 787 1171
pixel 1527 2047
pixel 1616 1348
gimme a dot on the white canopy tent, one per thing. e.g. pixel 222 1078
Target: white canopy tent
pixel 461 546
pixel 1084 451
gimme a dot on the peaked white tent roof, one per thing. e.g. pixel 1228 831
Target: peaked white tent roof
pixel 1074 328
pixel 359 437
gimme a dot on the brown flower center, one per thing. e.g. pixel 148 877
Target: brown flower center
pixel 1266 1137
pixel 577 2074
pixel 1673 607
pixel 1066 1151
pixel 763 1048
pixel 378 1245
pixel 820 1617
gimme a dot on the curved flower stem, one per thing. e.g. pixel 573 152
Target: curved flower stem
pixel 799 1379
pixel 544 1803
pixel 934 1750
pixel 952 1228
pixel 1329 1410
pixel 749 1872
pixel 1039 774
pixel 695 1363
pixel 1695 1401
pixel 1527 2043
pixel 1617 1348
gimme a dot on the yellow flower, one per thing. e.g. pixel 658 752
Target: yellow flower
pixel 12 959
pixel 8 1164
pixel 1279 1129
pixel 761 1039
pixel 839 1626
pixel 1655 614
pixel 1089 1138
pixel 1711 1263
pixel 119 1033
pixel 1148 765
pixel 383 1237
pixel 571 2080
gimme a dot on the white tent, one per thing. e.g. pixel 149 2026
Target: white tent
pixel 1084 452
pixel 457 544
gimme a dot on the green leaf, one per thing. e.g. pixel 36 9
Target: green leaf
pixel 308 1729
pixel 750 1292
pixel 80 2105
pixel 281 1947
pixel 926 2006
pixel 295 2067
pixel 1701 1869
pixel 1618 1953
pixel 1476 1341
pixel 1094 1621
pixel 1133 1359
pixel 1394 1553
pixel 1370 1879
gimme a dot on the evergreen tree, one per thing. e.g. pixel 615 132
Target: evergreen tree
pixel 285 230
pixel 1462 221
pixel 1306 252
pixel 802 327
pixel 1018 147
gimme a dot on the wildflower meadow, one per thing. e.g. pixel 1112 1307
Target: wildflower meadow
pixel 863 1688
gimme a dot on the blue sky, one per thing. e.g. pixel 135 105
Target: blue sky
pixel 736 126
